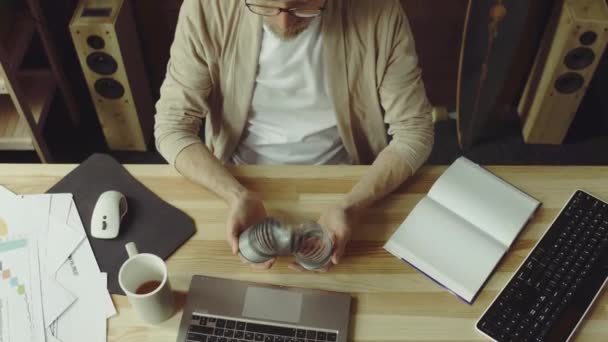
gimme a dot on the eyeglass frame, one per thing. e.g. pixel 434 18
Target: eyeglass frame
pixel 286 10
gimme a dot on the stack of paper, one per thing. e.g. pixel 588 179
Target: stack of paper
pixel 51 288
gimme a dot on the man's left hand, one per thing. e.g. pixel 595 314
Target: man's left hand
pixel 336 222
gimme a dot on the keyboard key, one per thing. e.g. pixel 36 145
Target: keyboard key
pixel 221 323
pixel 203 320
pixel 197 338
pixel 271 330
pixel 218 332
pixel 311 335
pixel 268 338
pixel 530 264
pixel 586 271
pixel 222 339
pixel 332 337
pixel 301 333
pixel 249 336
pixel 547 308
pixel 259 337
pixel 321 336
pixel 230 324
pixel 239 334
pixel 241 325
pixel 201 330
pixel 229 333
pixel 279 339
pixel 212 339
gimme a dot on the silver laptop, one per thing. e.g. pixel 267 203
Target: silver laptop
pixel 221 310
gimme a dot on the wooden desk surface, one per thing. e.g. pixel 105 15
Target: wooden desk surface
pixel 391 301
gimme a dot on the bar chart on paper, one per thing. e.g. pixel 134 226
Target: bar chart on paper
pixel 19 315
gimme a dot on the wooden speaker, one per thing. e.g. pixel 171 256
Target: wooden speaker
pixel 568 57
pixel 107 45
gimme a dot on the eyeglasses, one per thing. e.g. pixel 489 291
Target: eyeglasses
pixel 269 11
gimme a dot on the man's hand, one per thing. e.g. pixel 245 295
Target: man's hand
pixel 336 222
pixel 389 170
pixel 246 210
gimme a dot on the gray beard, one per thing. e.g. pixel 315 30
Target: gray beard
pixel 288 34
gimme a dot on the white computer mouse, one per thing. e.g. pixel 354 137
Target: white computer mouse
pixel 108 213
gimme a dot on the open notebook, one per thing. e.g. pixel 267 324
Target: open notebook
pixel 459 232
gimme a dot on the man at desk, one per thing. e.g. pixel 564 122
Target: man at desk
pixel 299 82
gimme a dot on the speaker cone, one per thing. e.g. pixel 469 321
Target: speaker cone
pixel 569 83
pixel 588 38
pixel 102 63
pixel 109 88
pixel 579 58
pixel 96 42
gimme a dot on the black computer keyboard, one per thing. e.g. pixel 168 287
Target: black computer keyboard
pixel 552 290
pixel 207 328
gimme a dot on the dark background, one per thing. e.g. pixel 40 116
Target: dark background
pixel 437 26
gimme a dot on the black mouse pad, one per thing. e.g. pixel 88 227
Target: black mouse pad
pixel 154 225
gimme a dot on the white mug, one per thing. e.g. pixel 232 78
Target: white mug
pixel 153 307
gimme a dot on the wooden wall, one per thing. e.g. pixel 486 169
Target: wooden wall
pixel 437 27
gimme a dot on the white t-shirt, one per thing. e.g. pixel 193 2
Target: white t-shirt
pixel 292 119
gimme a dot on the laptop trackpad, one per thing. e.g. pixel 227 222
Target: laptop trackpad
pixel 272 304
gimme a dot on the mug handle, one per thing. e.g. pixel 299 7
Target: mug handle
pixel 131 249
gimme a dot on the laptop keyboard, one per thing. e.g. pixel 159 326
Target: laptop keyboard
pixel 207 328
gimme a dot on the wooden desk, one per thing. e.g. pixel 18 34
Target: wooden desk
pixel 391 301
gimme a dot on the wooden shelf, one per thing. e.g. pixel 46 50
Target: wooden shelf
pixel 14 131
pixel 27 95
pixel 17 39
pixel 39 88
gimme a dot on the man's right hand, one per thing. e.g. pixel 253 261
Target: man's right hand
pixel 244 211
pixel 245 208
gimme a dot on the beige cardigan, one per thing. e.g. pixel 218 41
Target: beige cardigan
pixel 369 52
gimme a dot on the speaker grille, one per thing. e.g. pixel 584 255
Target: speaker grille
pixel 579 58
pixel 102 63
pixel 569 83
pixel 109 88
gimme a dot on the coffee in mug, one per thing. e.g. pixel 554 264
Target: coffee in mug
pixel 147 287
pixel 145 281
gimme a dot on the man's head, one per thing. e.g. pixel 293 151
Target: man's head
pixel 287 18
